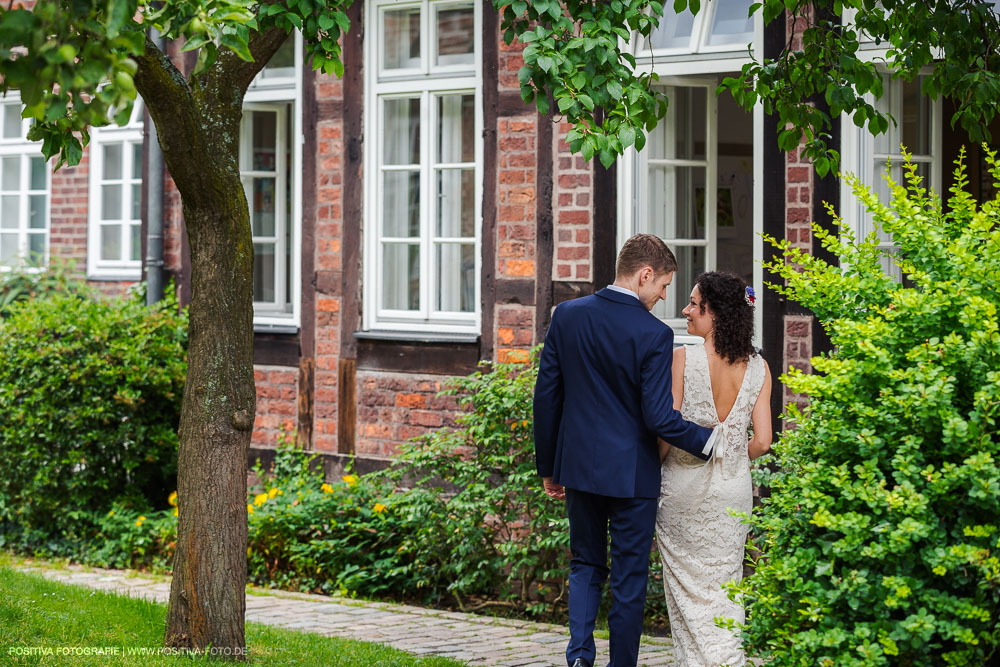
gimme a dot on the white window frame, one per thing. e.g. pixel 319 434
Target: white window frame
pixel 268 93
pixel 26 150
pixel 677 67
pixel 127 135
pixel 858 157
pixel 427 82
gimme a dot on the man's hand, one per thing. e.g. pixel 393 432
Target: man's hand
pixel 553 490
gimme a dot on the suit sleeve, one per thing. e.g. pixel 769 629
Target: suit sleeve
pixel 548 402
pixel 658 402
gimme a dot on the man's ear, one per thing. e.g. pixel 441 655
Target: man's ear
pixel 646 274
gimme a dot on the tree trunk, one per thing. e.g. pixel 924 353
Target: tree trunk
pixel 207 596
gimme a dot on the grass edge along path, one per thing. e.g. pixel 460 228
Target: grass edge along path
pixel 43 622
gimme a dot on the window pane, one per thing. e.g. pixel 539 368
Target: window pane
pixel 38 173
pixel 8 247
pixel 111 202
pixel 402 131
pixel 136 201
pixel 10 180
pixel 263 272
pixel 262 205
pixel 684 138
pixel 401 35
pixel 456 203
pixel 11 121
pixel 456 31
pixel 400 204
pixel 916 121
pixel 674 31
pixel 690 263
pixel 401 276
pixel 136 248
pixel 9 211
pixel 456 271
pixel 282 63
pixel 36 248
pixel 456 128
pixel 677 202
pixel 137 159
pixel 731 23
pixel 112 161
pixel 265 141
pixel 36 211
pixel 111 242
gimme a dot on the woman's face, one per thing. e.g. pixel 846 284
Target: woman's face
pixel 698 323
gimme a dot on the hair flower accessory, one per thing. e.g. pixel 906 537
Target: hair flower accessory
pixel 750 297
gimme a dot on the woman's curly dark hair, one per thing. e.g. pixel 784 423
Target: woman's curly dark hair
pixel 725 295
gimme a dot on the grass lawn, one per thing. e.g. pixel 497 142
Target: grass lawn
pixel 38 615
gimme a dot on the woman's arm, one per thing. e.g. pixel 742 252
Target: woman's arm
pixel 761 416
pixel 677 380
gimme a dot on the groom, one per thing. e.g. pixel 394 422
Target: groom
pixel 601 399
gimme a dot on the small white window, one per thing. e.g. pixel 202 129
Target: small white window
pixel 270 162
pixel 24 192
pixel 114 241
pixel 422 214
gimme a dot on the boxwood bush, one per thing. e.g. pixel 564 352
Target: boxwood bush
pixel 881 532
pixel 90 393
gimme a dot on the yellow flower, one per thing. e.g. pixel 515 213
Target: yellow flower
pixel 111 513
pixel 176 513
pixel 274 492
pixel 350 479
pixel 379 508
pixel 172 499
pixel 326 488
pixel 249 508
pixel 248 551
pixel 260 499
pixel 138 522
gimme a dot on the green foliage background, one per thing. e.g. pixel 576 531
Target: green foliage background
pixel 881 532
pixel 90 394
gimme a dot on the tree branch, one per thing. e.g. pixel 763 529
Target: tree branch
pixel 235 71
pixel 160 83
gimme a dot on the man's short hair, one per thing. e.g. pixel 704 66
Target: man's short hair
pixel 644 250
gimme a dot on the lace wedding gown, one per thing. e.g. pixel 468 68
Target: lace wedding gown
pixel 701 545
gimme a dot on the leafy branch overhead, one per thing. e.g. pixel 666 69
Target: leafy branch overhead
pixel 74 63
pixel 577 56
pixel 573 53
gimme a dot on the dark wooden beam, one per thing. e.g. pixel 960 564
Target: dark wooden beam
pixel 350 246
pixel 544 240
pixel 307 305
pixel 491 65
pixel 605 223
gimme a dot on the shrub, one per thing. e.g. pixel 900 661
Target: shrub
pixel 881 538
pixel 90 393
pixel 27 284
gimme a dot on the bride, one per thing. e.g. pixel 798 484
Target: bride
pixel 722 382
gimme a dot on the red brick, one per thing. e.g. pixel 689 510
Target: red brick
pixel 574 217
pixel 411 400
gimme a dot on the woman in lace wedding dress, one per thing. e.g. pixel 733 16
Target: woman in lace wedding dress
pixel 722 383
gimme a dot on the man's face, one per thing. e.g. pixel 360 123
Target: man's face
pixel 653 287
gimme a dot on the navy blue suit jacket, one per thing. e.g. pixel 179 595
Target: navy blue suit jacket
pixel 603 396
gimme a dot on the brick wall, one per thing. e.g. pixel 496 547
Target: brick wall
pixel 395 407
pixel 571 193
pixel 277 393
pixel 329 262
pixel 68 212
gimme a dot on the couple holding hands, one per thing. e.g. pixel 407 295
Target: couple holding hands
pixel 639 437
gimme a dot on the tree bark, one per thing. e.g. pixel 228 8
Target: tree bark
pixel 198 125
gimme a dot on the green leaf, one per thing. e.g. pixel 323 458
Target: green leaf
pixel 627 136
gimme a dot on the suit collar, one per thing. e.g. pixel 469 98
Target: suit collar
pixel 618 297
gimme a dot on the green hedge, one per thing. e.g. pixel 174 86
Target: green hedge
pixel 90 394
pixel 881 533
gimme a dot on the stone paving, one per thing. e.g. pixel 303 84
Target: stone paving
pixel 477 640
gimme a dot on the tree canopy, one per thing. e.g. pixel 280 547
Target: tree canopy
pixel 577 52
pixel 74 63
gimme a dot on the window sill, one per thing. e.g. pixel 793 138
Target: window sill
pixel 261 328
pixel 417 336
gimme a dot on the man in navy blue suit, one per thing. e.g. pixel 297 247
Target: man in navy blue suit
pixel 601 399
